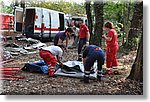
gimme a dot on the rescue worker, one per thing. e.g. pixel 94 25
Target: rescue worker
pixel 112 48
pixel 48 54
pixel 61 36
pixel 84 37
pixel 91 54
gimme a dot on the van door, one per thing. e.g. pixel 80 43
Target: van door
pixel 29 22
pixel 61 21
pixel 50 26
pixel 18 21
pixel 54 23
pixel 46 22
pixel 38 22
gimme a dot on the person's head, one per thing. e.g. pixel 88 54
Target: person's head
pixel 74 27
pixel 108 26
pixel 68 32
pixel 80 22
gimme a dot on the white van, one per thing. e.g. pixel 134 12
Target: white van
pixel 39 23
pixel 74 20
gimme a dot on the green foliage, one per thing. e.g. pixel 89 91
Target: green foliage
pixel 119 12
pixel 112 11
pixel 6 9
pixel 62 6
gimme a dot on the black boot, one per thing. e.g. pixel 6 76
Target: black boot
pixel 79 57
pixel 99 78
pixel 86 79
pixel 99 75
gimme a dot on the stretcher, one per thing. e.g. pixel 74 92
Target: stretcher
pixel 10 73
pixel 73 73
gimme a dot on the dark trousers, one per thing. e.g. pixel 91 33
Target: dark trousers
pixel 98 56
pixel 75 43
pixel 82 42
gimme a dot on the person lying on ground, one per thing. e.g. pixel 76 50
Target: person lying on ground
pixel 48 54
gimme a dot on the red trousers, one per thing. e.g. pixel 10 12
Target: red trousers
pixel 48 57
pixel 111 59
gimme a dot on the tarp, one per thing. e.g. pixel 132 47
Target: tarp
pixel 77 74
pixel 39 66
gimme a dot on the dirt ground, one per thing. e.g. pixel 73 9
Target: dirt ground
pixel 41 84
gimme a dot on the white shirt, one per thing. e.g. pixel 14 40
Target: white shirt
pixel 76 32
pixel 55 50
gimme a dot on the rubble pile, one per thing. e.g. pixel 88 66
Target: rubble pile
pixel 30 46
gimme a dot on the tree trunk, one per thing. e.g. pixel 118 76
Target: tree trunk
pixel 22 3
pixel 135 25
pixel 98 27
pixel 137 68
pixel 16 3
pixel 89 16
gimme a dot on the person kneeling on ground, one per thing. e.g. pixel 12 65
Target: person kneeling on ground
pixel 48 54
pixel 61 36
pixel 91 54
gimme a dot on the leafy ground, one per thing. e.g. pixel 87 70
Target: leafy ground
pixel 41 84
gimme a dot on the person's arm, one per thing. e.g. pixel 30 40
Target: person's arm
pixel 78 31
pixel 60 53
pixel 58 60
pixel 107 38
pixel 87 33
pixel 60 42
pixel 67 40
pixel 88 36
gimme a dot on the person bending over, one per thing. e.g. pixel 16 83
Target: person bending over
pixel 48 54
pixel 61 36
pixel 91 54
